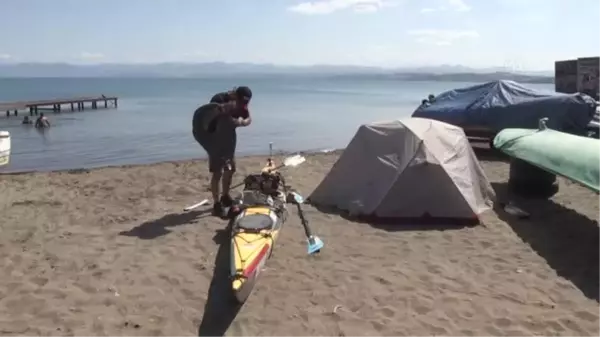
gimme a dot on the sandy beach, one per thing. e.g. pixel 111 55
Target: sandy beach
pixel 110 252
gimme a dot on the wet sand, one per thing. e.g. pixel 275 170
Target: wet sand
pixel 110 252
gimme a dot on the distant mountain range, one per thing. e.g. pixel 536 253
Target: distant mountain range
pixel 220 69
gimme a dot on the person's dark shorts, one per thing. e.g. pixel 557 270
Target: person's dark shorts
pixel 221 163
pixel 221 154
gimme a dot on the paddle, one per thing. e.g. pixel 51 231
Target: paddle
pixel 291 161
pixel 314 242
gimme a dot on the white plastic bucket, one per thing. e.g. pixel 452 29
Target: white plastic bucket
pixel 4 147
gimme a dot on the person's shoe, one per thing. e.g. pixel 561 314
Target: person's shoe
pixel 217 209
pixel 226 201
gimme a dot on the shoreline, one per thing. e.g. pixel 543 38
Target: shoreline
pixel 482 153
pixel 282 154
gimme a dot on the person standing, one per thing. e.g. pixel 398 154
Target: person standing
pixel 42 122
pixel 214 128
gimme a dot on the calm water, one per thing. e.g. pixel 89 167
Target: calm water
pixel 153 121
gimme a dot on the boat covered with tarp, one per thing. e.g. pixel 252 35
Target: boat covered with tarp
pixel 574 157
pixel 485 109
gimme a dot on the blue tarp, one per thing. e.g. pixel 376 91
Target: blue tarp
pixel 506 104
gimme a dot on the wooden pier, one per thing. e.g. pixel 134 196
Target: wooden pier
pixel 56 105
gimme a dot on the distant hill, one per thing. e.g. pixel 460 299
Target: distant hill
pixel 195 70
pixel 475 77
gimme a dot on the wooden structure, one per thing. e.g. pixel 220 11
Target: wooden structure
pixel 580 75
pixel 56 105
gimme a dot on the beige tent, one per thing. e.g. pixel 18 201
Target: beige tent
pixel 409 168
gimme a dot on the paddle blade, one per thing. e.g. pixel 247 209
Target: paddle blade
pixel 294 160
pixel 314 245
pixel 294 198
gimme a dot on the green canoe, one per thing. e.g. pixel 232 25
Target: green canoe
pixel 574 157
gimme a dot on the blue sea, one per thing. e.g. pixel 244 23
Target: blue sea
pixel 153 120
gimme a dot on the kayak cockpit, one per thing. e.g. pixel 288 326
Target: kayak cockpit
pixel 256 222
pixel 256 211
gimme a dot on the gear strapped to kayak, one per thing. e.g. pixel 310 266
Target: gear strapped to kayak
pixel 256 219
pixel 287 162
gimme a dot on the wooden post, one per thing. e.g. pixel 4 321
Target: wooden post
pixel 94 104
pixel 30 111
pixel 116 103
pixel 72 106
pixel 15 112
pixel 105 104
pixel 7 113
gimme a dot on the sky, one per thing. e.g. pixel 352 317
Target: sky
pixel 518 34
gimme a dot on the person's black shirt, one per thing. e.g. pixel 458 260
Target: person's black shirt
pixel 206 116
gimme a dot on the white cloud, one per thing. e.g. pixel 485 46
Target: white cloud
pixel 90 56
pixel 449 5
pixel 5 56
pixel 442 37
pixel 330 6
pixel 195 54
pixel 459 5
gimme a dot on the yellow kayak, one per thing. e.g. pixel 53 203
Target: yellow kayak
pixel 254 231
pixel 256 221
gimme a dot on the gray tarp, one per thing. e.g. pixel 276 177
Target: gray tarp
pixel 407 168
pixel 506 104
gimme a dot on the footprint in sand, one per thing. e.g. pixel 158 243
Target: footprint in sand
pixel 39 281
pixel 502 323
pixel 378 326
pixel 383 281
pixel 435 269
pixel 354 278
pixel 493 331
pixel 587 316
pixel 388 312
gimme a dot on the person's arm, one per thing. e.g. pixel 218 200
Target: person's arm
pixel 245 120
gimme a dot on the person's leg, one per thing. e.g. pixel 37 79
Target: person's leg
pixel 215 186
pixel 228 171
pixel 216 170
pixel 228 176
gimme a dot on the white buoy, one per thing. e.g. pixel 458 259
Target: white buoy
pixel 4 148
